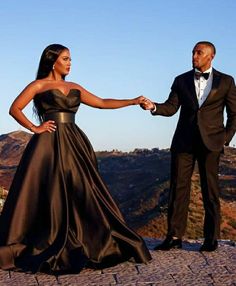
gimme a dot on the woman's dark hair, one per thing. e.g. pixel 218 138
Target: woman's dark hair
pixel 47 60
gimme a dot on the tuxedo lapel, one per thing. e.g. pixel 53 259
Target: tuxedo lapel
pixel 215 86
pixel 191 87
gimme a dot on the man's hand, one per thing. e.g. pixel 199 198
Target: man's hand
pixel 147 104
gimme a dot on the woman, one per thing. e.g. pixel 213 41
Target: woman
pixel 59 215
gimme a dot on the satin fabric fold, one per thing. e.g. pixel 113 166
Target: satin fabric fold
pixel 59 214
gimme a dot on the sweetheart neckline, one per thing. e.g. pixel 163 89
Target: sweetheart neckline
pixel 57 89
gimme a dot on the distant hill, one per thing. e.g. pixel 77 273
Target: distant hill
pixel 11 148
pixel 139 183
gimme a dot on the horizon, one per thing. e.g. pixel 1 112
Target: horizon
pixel 96 151
pixel 112 150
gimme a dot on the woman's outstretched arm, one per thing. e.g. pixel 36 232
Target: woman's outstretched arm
pixel 107 103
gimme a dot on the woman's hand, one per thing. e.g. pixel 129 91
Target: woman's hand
pixel 47 126
pixel 139 100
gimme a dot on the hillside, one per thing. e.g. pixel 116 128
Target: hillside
pixel 11 148
pixel 139 182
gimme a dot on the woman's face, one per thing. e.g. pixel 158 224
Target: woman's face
pixel 63 63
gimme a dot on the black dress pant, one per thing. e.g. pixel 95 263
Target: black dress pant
pixel 182 166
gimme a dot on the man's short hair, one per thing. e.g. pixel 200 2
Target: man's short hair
pixel 209 44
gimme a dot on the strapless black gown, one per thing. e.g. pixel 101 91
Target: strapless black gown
pixel 59 214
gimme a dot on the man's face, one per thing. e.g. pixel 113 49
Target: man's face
pixel 202 57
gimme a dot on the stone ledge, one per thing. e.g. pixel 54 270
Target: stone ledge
pixel 175 267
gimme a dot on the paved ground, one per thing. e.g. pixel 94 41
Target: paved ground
pixel 176 267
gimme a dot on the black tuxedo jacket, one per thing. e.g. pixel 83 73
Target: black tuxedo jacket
pixel 208 119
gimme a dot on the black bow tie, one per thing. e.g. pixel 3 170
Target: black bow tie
pixel 204 74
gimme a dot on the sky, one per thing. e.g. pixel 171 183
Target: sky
pixel 120 49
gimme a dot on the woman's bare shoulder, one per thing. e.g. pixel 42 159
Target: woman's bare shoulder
pixel 36 85
pixel 79 87
pixel 40 85
pixel 74 85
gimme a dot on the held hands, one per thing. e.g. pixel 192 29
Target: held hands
pixel 47 126
pixel 144 103
pixel 147 104
pixel 139 100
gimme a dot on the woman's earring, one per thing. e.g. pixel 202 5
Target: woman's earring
pixel 53 67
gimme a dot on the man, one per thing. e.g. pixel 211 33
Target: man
pixel 202 94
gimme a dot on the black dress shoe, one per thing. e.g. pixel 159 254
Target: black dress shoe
pixel 169 243
pixel 209 245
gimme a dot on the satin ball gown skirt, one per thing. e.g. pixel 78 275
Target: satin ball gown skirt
pixel 59 214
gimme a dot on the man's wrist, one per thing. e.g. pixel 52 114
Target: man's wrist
pixel 153 110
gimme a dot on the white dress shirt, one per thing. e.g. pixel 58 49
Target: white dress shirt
pixel 203 86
